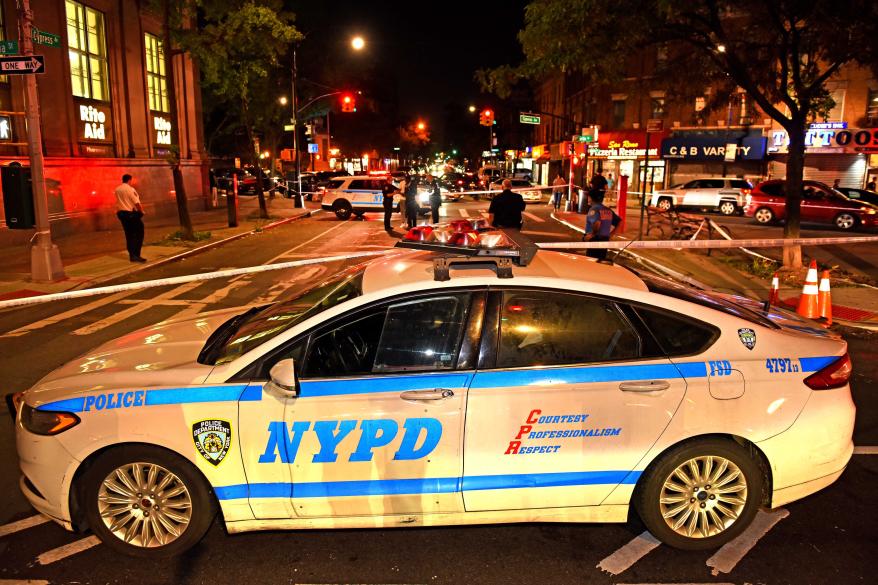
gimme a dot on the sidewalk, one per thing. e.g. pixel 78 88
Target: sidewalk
pixel 853 305
pixel 91 258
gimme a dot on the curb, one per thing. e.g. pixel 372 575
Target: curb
pixel 192 252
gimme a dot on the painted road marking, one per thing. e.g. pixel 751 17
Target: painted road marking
pixel 732 552
pixel 463 212
pixel 622 559
pixel 534 217
pixel 68 314
pixel 866 450
pixel 62 552
pixel 537 233
pixel 23 582
pixel 24 524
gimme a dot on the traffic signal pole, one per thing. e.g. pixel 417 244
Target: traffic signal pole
pixel 45 258
pixel 300 199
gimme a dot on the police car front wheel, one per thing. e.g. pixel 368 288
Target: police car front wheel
pixel 146 502
pixel 701 495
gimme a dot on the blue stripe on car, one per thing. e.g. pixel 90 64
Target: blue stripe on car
pixel 813 364
pixel 430 485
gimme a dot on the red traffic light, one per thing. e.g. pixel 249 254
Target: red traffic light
pixel 347 103
pixel 486 117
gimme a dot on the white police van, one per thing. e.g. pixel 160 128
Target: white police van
pixel 477 385
pixel 356 195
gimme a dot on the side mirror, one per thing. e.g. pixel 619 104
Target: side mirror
pixel 283 376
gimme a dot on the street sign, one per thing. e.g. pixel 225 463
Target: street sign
pixel 48 39
pixel 288 127
pixel 589 134
pixel 655 125
pixel 22 65
pixel 585 138
pixel 528 118
pixel 8 47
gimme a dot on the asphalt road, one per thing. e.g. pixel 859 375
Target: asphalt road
pixel 827 538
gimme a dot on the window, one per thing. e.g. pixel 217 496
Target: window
pixel 740 184
pixel 774 189
pixel 745 110
pixel 87 52
pixel 335 184
pixel 422 334
pixel 156 79
pixel 872 106
pixel 550 328
pixel 696 184
pixel 658 107
pixel 837 111
pixel 712 184
pixel 618 113
pixel 676 334
pixel 366 184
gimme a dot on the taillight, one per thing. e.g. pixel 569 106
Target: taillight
pixel 834 375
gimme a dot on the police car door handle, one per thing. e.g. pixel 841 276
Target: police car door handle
pixel 645 386
pixel 423 395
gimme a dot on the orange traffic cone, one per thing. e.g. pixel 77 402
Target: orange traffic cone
pixel 808 300
pixel 774 292
pixel 824 299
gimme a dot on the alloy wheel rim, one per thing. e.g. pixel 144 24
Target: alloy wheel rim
pixel 703 496
pixel 144 505
pixel 664 204
pixel 763 216
pixel 727 208
pixel 845 221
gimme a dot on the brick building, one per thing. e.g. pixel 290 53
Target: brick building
pixel 105 112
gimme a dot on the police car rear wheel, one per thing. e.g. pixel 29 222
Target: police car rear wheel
pixel 342 209
pixel 147 502
pixel 701 495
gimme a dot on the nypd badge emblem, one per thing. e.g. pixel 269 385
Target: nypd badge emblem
pixel 747 337
pixel 212 439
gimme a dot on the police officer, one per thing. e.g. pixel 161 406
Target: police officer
pixel 505 210
pixel 435 196
pixel 388 190
pixel 411 201
pixel 599 224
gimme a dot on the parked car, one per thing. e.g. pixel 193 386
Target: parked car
pixel 355 195
pixel 519 185
pixel 820 204
pixel 722 194
pixel 455 181
pixel 859 194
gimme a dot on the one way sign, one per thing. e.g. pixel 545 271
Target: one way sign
pixel 25 65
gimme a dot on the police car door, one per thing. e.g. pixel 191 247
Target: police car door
pixel 377 427
pixel 570 406
pixel 365 193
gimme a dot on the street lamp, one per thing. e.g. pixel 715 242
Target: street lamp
pixel 282 100
pixel 358 43
pixel 421 125
pixel 472 109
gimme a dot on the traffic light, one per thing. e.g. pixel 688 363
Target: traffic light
pixel 347 103
pixel 486 118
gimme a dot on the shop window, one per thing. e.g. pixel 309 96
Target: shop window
pixel 87 51
pixel 658 107
pixel 745 110
pixel 618 113
pixel 872 107
pixel 837 112
pixel 156 78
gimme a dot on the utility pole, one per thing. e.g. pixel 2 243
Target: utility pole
pixel 45 258
pixel 300 199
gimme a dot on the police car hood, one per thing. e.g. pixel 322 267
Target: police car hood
pixel 162 355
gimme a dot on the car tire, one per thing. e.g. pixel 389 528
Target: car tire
pixel 845 221
pixel 342 209
pixel 727 207
pixel 700 495
pixel 665 204
pixel 105 496
pixel 764 215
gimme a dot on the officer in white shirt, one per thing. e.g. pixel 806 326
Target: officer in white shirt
pixel 130 213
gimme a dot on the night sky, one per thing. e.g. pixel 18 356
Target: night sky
pixel 422 54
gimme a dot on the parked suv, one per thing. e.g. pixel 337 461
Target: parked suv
pixel 723 194
pixel 357 195
pixel 820 204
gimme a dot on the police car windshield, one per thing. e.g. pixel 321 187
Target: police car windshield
pixel 266 324
pixel 712 300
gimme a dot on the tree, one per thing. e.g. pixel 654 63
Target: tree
pixel 238 46
pixel 781 53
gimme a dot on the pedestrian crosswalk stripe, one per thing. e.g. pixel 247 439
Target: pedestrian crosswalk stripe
pixel 732 552
pixel 24 524
pixel 530 215
pixel 463 212
pixel 622 559
pixel 62 552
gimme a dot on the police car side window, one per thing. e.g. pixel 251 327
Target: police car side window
pixel 677 335
pixel 539 328
pixel 359 184
pixel 347 350
pixel 422 334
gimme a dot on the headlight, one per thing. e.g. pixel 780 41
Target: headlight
pixel 871 211
pixel 46 422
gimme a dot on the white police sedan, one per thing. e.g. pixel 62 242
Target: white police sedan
pixel 436 388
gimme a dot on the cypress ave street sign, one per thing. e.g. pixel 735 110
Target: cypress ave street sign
pixel 48 39
pixel 528 118
pixel 27 65
pixel 8 47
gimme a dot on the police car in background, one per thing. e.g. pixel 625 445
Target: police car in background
pixel 356 195
pixel 420 389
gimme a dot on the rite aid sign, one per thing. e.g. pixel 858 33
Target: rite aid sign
pixel 703 147
pixel 826 140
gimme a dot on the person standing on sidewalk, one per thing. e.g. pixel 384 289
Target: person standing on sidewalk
pixel 558 191
pixel 130 213
pixel 388 190
pixel 505 210
pixel 600 223
pixel 435 197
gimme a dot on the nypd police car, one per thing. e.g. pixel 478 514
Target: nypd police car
pixel 468 382
pixel 356 195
